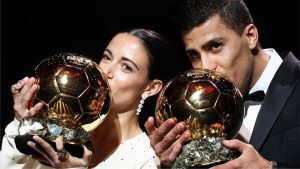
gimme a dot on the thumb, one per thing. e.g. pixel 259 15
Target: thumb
pixel 87 156
pixel 150 125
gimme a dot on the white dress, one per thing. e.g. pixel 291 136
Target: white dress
pixel 135 153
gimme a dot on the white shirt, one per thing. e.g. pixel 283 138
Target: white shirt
pixel 252 108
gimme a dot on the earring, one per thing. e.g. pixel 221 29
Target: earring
pixel 140 106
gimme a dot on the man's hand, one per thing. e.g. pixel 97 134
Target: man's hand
pixel 165 139
pixel 248 159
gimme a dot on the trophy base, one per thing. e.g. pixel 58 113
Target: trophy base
pixel 21 144
pixel 204 153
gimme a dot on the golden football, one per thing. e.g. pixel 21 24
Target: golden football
pixel 206 101
pixel 74 90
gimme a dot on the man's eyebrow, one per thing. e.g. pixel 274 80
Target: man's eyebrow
pixel 212 41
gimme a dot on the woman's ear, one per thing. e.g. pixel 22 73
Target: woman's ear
pixel 153 88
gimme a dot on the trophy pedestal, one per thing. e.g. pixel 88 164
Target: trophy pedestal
pixel 21 144
pixel 204 153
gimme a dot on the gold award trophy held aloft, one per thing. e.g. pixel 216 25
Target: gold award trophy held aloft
pixel 76 95
pixel 212 108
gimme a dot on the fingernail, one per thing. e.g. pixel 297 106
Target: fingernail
pixel 175 120
pixel 170 121
pixel 30 143
pixel 226 141
pixel 35 137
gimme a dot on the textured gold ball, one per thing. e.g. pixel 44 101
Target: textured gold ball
pixel 206 101
pixel 74 90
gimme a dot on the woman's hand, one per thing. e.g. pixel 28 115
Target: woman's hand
pixel 164 139
pixel 24 92
pixel 60 158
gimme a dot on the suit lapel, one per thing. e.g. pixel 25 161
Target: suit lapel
pixel 279 90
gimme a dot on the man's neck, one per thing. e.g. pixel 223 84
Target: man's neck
pixel 260 62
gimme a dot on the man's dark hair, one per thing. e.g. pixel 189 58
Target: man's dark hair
pixel 234 13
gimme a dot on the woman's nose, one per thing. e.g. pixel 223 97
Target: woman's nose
pixel 107 70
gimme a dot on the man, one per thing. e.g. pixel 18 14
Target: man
pixel 220 35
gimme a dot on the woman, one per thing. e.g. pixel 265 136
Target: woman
pixel 133 62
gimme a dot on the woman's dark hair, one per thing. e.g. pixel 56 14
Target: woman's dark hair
pixel 234 13
pixel 160 65
pixel 159 52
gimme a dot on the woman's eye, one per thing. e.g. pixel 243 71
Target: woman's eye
pixel 105 57
pixel 127 68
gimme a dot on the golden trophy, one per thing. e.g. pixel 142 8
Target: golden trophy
pixel 212 108
pixel 76 95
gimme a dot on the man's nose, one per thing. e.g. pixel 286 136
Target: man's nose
pixel 208 63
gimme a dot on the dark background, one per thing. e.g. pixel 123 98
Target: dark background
pixel 33 30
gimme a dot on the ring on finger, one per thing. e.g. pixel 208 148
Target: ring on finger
pixel 62 155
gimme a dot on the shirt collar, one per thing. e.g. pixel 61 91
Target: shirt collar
pixel 269 72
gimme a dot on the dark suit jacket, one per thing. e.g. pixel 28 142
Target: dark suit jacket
pixel 276 134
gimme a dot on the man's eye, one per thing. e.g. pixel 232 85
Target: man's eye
pixel 193 55
pixel 216 47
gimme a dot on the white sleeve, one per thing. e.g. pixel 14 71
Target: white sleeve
pixel 10 156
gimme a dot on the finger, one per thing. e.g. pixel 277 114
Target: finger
pixel 28 99
pixel 24 80
pixel 18 99
pixel 39 158
pixel 40 151
pixel 174 153
pixel 32 94
pixel 34 110
pixel 228 165
pixel 29 95
pixel 28 85
pixel 162 130
pixel 171 136
pixel 174 150
pixel 17 86
pixel 235 144
pixel 59 143
pixel 46 147
pixel 86 156
pixel 150 125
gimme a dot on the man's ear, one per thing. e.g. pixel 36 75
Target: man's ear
pixel 252 36
pixel 153 88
